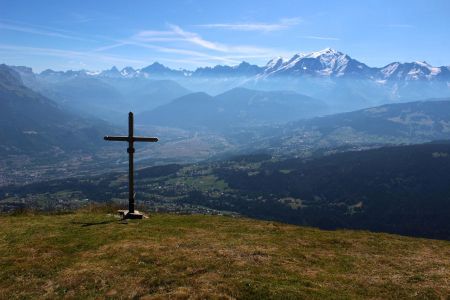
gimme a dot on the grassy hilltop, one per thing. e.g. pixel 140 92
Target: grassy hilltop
pixel 94 255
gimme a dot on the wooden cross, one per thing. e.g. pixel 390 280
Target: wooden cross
pixel 131 139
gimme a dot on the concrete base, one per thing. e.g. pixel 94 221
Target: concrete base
pixel 127 215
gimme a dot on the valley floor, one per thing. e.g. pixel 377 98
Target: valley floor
pixel 92 254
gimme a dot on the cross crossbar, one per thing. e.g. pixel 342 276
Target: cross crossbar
pixel 127 139
pixel 116 138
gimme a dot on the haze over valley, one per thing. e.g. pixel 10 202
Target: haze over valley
pixel 310 101
pixel 290 112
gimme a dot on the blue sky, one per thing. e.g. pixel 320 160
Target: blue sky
pixel 96 35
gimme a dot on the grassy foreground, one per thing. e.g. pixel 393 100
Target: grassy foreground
pixel 94 255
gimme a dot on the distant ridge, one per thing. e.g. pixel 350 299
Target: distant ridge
pixel 324 63
pixel 236 107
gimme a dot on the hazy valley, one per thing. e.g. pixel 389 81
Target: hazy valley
pixel 303 127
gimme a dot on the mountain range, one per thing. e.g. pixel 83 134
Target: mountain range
pixel 250 118
pixel 332 63
pixel 340 81
pixel 325 63
pixel 246 96
pixel 106 96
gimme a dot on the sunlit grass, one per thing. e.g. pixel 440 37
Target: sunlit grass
pixel 93 254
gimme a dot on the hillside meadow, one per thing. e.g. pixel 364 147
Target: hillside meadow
pixel 93 254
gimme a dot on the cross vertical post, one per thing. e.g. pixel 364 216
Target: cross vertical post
pixel 131 213
pixel 130 151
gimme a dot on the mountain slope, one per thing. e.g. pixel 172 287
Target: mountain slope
pixel 268 107
pixel 401 189
pixel 411 122
pixel 31 123
pixel 192 110
pixel 144 94
pixel 94 255
pixel 234 108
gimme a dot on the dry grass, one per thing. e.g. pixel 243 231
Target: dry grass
pixel 91 254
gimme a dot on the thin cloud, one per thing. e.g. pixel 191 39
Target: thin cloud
pixel 109 47
pixel 187 52
pixel 68 54
pixel 194 38
pixel 266 27
pixel 177 34
pixel 315 37
pixel 192 54
pixel 187 46
pixel 38 31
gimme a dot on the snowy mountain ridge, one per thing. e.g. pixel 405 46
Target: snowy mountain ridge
pixel 324 63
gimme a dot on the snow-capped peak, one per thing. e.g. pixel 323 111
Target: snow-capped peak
pixel 274 62
pixel 389 69
pixel 423 64
pixel 324 52
pixel 326 62
pixel 93 73
pixel 128 72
